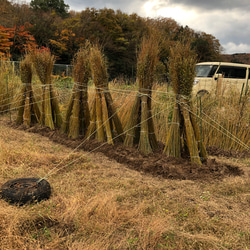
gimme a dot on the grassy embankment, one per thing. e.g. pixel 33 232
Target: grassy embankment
pixel 100 204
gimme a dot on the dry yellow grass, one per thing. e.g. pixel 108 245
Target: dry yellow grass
pixel 225 121
pixel 9 87
pixel 97 203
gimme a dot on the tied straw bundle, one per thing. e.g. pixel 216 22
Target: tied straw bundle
pixel 77 115
pixel 28 112
pixel 184 132
pixel 104 119
pixel 43 63
pixel 140 124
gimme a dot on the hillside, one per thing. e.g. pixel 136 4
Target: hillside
pixel 237 58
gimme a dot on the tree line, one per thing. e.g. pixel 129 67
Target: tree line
pixel 48 23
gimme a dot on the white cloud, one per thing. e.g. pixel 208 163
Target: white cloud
pixel 178 14
pixel 148 8
pixel 158 8
pixel 232 48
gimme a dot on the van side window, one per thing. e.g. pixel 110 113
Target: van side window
pixel 232 72
pixel 211 73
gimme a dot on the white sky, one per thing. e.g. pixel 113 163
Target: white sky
pixel 227 20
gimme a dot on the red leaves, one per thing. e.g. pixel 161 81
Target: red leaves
pixel 5 42
pixel 22 38
pixel 16 38
pixel 43 49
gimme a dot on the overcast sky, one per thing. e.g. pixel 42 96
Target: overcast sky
pixel 227 20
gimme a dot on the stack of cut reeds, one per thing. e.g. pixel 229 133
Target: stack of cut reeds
pixel 28 111
pixel 77 116
pixel 104 123
pixel 184 133
pixel 140 124
pixel 43 63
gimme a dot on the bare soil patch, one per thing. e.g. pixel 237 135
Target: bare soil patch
pixel 156 164
pixel 112 197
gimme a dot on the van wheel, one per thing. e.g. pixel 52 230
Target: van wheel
pixel 23 190
pixel 202 92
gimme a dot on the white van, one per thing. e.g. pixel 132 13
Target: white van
pixel 226 76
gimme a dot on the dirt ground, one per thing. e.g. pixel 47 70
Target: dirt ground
pixel 156 164
pixel 113 197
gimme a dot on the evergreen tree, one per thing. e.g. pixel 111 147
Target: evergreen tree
pixel 48 5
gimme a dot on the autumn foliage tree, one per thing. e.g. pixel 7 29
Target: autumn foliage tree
pixel 6 13
pixel 15 41
pixel 118 33
pixel 206 46
pixel 64 44
pixel 5 42
pixel 22 40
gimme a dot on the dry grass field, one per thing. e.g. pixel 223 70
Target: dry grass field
pixel 98 203
pixel 114 197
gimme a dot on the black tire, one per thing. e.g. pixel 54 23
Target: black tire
pixel 202 93
pixel 25 190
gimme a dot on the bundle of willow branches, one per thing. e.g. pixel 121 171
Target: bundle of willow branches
pixel 28 111
pixel 77 116
pixel 104 123
pixel 140 123
pixel 184 133
pixel 43 63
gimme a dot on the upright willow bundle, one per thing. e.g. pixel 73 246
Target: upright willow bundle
pixel 43 62
pixel 104 123
pixel 184 132
pixel 140 124
pixel 28 111
pixel 77 115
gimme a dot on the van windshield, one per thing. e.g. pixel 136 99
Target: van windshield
pixel 205 70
